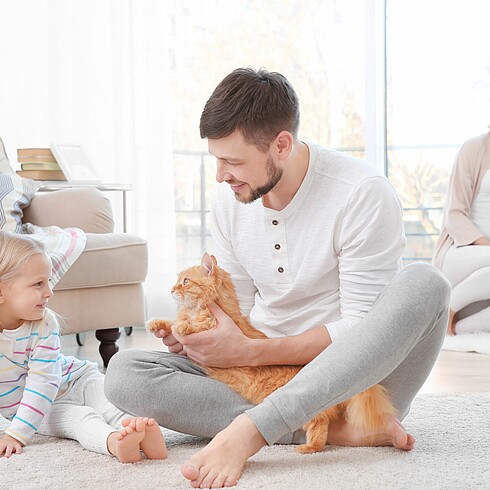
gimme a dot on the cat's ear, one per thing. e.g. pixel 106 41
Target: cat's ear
pixel 207 264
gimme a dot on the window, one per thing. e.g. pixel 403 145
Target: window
pixel 438 85
pixel 435 95
pixel 317 45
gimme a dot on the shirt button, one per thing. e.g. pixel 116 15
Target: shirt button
pixel 275 222
pixel 281 270
pixel 277 246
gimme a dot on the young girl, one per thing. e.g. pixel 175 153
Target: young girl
pixel 43 391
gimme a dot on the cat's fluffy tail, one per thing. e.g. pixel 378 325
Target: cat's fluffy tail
pixel 367 410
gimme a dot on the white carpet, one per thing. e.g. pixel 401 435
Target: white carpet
pixel 452 451
pixel 468 342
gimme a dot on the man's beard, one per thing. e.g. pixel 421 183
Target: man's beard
pixel 274 175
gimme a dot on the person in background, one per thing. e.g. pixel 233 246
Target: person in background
pixel 462 251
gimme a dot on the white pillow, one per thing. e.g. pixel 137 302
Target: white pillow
pixel 16 194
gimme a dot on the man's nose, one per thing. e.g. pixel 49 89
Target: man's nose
pixel 222 173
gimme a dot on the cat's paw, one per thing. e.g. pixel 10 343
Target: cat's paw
pixel 308 448
pixel 183 328
pixel 156 324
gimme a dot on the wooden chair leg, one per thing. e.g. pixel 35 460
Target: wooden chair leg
pixel 108 346
pixel 81 338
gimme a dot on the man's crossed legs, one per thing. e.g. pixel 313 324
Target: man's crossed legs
pixel 395 344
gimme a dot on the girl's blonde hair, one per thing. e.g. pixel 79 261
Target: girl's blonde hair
pixel 15 249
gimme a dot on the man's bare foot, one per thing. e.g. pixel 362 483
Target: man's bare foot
pixel 153 443
pixel 392 434
pixel 221 462
pixel 451 324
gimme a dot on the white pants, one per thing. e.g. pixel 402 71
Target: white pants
pixel 84 414
pixel 468 271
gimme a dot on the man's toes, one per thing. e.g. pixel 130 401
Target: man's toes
pixel 402 440
pixel 219 482
pixel 190 471
pixel 230 482
pixel 410 441
pixel 209 480
pixel 203 473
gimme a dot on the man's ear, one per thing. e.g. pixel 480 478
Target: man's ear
pixel 283 144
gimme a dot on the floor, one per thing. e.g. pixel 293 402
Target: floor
pixel 454 372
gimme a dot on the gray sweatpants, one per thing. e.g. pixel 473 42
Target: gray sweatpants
pixel 395 344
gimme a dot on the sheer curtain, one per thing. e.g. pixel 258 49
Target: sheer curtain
pixel 96 73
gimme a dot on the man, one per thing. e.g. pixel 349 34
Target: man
pixel 315 255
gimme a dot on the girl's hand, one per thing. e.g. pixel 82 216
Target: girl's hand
pixel 9 446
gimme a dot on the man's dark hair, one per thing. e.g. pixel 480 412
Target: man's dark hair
pixel 259 103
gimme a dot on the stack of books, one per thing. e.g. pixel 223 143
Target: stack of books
pixel 38 164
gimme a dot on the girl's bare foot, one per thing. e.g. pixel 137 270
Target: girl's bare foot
pixel 125 444
pixel 153 443
pixel 221 462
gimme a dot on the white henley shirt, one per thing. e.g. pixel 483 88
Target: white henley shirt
pixel 324 258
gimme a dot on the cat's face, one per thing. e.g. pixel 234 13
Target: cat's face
pixel 196 285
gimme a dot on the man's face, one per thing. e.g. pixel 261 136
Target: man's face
pixel 249 172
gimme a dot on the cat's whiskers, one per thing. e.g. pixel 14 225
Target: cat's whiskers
pixel 187 302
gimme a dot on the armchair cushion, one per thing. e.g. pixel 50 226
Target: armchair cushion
pixel 109 259
pixel 86 208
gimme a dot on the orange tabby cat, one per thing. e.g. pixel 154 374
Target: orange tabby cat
pixel 198 286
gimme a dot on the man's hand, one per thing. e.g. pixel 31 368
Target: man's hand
pixel 170 341
pixel 9 446
pixel 223 346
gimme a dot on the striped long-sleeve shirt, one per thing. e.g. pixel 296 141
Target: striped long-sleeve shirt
pixel 33 373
